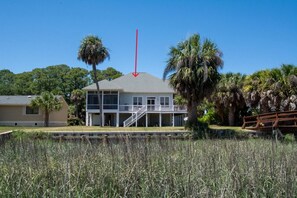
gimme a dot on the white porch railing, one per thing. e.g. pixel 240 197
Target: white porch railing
pixel 130 108
pixel 105 106
pixel 135 116
pixel 135 108
pixel 153 108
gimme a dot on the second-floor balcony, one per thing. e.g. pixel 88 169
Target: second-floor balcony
pixel 153 108
pixel 105 106
pixel 135 108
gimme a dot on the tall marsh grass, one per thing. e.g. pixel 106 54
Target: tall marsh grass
pixel 140 168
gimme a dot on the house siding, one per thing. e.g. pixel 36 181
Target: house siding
pixel 16 115
pixel 127 98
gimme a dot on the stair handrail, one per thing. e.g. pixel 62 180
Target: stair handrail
pixel 135 116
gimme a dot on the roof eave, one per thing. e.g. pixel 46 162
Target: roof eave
pixel 90 89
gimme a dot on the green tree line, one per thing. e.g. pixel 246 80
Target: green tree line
pixel 193 71
pixel 237 95
pixel 58 79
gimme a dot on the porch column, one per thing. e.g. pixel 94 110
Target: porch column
pixel 146 120
pixel 118 100
pixel 136 120
pixel 102 114
pixel 91 119
pixel 87 114
pixel 160 120
pixel 87 118
pixel 173 121
pixel 118 119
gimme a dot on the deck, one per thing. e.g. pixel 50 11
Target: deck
pixel 285 121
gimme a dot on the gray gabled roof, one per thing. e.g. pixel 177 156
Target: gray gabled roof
pixel 18 100
pixel 104 85
pixel 143 83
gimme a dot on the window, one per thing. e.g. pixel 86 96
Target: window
pixel 110 102
pixel 137 100
pixel 32 111
pixel 110 93
pixel 93 100
pixel 110 99
pixel 164 101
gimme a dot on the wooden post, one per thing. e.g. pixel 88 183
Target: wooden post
pixel 243 125
pixel 160 120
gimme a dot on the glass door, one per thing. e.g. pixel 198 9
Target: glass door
pixel 151 103
pixel 137 103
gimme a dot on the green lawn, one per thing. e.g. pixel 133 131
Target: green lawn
pixel 90 128
pixel 233 128
pixel 106 129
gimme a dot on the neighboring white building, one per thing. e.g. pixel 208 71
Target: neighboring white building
pixel 144 100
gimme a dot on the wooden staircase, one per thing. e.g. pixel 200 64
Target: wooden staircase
pixel 135 116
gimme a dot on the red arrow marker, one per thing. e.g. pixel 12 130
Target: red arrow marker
pixel 135 74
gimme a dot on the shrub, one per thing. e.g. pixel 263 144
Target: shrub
pixel 19 134
pixel 22 135
pixel 289 138
pixel 74 121
pixel 200 130
pixel 210 117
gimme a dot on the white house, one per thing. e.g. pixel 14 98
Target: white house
pixel 144 100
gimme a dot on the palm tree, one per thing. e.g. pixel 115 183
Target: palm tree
pixel 179 100
pixel 92 52
pixel 228 97
pixel 192 69
pixel 77 96
pixel 272 90
pixel 48 103
pixel 251 90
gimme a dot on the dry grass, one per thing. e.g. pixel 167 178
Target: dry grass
pixel 161 168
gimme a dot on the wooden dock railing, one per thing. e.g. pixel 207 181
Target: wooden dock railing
pixel 286 120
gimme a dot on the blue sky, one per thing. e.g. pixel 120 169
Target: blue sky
pixel 253 34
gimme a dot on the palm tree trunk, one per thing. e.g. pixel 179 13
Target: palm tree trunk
pixel 46 118
pixel 192 113
pixel 98 93
pixel 231 116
